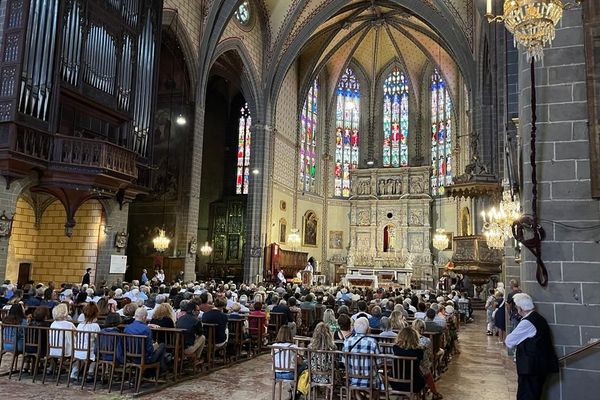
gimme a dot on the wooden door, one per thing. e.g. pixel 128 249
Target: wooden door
pixel 24 274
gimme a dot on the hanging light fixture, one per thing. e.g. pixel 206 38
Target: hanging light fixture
pixel 497 223
pixel 181 120
pixel 206 250
pixel 161 242
pixel 532 22
pixel 294 238
pixel 440 239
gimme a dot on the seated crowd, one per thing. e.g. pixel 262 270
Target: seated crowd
pixel 338 318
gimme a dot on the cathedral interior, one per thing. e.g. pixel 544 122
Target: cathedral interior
pixel 391 142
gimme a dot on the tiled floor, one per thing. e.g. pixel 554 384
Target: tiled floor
pixel 481 372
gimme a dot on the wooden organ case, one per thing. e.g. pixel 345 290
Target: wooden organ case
pixel 77 90
pixel 277 259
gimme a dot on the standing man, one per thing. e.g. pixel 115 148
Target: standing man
pixel 86 277
pixel 144 278
pixel 281 277
pixel 536 358
pixel 510 308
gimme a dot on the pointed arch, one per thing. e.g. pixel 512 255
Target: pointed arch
pixel 309 133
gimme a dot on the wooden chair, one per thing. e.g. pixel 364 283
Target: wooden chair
pixel 256 329
pixel 275 322
pixel 322 370
pixel 237 339
pixel 212 351
pixel 134 358
pixel 319 312
pixel 308 318
pixel 12 336
pixel 284 369
pixel 3 313
pixel 60 348
pixel 35 344
pixel 173 340
pixel 83 355
pixel 362 367
pixel 399 371
pixel 107 349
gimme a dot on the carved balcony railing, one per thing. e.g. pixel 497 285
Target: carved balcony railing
pixel 36 147
pixel 474 258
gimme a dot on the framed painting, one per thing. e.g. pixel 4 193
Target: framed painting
pixel 336 239
pixel 309 233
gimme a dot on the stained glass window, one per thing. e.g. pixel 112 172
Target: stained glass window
pixel 308 139
pixel 346 134
pixel 395 119
pixel 441 135
pixel 242 14
pixel 243 154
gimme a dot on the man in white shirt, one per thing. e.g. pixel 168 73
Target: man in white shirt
pixel 281 277
pixel 535 354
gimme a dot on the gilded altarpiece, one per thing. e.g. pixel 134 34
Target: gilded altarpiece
pixel 390 222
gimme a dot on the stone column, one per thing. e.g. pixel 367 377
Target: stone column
pixel 256 215
pixel 115 221
pixel 571 302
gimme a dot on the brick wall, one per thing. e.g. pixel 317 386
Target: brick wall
pixel 571 302
pixel 54 256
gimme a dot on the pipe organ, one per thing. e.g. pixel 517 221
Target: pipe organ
pixel 79 69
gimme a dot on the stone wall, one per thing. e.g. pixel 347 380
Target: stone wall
pixel 571 302
pixel 53 255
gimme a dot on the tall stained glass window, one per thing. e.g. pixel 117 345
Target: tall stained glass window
pixel 308 139
pixel 243 154
pixel 346 134
pixel 395 119
pixel 441 135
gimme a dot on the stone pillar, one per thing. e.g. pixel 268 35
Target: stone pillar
pixel 187 226
pixel 571 302
pixel 256 215
pixel 115 221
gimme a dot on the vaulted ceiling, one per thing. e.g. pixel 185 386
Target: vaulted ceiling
pixel 373 34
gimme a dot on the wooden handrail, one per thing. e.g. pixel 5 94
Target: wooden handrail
pixel 580 350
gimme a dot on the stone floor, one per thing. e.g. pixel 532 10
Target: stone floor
pixel 481 372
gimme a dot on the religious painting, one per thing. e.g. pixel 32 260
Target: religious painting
pixel 282 230
pixel 592 49
pixel 336 239
pixel 309 234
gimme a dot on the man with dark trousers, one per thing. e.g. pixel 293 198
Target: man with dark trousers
pixel 86 277
pixel 536 358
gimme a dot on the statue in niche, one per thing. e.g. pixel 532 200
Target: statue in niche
pixel 391 188
pixel 382 187
pixel 366 187
pixel 398 186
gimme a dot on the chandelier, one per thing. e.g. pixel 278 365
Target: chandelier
pixel 206 250
pixel 161 242
pixel 440 239
pixel 497 223
pixel 294 238
pixel 532 22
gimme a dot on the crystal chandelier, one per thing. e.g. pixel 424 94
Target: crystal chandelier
pixel 294 238
pixel 161 242
pixel 206 250
pixel 440 239
pixel 497 223
pixel 532 22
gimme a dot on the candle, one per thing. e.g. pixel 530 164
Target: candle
pixel 483 216
pixel 488 9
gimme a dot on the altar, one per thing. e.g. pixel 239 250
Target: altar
pixel 390 228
